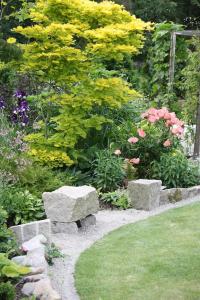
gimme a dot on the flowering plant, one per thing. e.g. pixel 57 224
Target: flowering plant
pixel 158 132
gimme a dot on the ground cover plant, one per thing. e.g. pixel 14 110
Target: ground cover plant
pixel 153 259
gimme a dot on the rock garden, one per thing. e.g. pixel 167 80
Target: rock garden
pixel 99 128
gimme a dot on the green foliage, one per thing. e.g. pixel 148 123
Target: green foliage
pixel 71 46
pixel 38 179
pixel 7 241
pixel 108 171
pixel 7 291
pixel 158 60
pixel 52 252
pixel 9 269
pixel 157 131
pixel 118 199
pixel 175 170
pixel 178 11
pixel 191 81
pixel 155 10
pixel 21 205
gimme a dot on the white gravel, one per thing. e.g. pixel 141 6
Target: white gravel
pixel 72 245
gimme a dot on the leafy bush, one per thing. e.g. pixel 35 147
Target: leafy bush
pixel 7 241
pixel 9 269
pixel 108 171
pixel 84 79
pixel 118 199
pixel 21 206
pixel 52 252
pixel 38 179
pixel 175 170
pixel 7 291
pixel 159 132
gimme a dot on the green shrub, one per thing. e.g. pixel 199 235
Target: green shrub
pixel 38 179
pixel 21 206
pixel 7 291
pixel 108 171
pixel 52 252
pixel 118 199
pixel 9 269
pixel 175 170
pixel 7 240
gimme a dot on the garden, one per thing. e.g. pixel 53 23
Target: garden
pixel 97 95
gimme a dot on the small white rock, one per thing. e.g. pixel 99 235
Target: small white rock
pixel 28 288
pixel 44 291
pixel 34 243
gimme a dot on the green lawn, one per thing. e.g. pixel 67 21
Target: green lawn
pixel 158 258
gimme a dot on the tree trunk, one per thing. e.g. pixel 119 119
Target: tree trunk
pixel 197 133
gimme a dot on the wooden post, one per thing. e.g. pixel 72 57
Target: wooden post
pixel 172 60
pixel 197 133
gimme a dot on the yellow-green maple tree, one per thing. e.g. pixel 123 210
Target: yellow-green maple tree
pixel 69 46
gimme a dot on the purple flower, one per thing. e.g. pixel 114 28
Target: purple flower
pixel 2 103
pixel 20 94
pixel 21 109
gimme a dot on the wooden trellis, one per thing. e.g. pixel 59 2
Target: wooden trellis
pixel 186 33
pixel 174 35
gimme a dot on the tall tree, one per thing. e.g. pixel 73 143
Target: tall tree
pixel 71 45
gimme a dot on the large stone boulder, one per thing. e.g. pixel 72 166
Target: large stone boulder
pixel 144 194
pixel 69 204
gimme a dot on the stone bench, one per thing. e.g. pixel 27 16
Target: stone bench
pixel 71 207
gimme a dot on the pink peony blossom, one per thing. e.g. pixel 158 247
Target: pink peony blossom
pixel 144 115
pixel 135 161
pixel 152 119
pixel 177 130
pixel 162 112
pixel 167 116
pixel 167 143
pixel 133 140
pixel 152 111
pixel 117 152
pixel 141 133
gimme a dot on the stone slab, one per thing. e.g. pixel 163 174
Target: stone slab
pixel 70 204
pixel 63 227
pixel 88 221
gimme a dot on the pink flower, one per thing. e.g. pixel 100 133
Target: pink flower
pixel 117 152
pixel 152 111
pixel 135 161
pixel 141 133
pixel 168 123
pixel 167 116
pixel 133 140
pixel 167 143
pixel 162 112
pixel 144 115
pixel 177 130
pixel 152 119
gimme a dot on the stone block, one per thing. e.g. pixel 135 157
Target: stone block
pixel 88 221
pixel 64 227
pixel 193 191
pixel 69 204
pixel 173 195
pixel 17 230
pixel 29 231
pixel 144 194
pixel 44 227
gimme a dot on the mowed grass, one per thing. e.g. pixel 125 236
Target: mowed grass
pixel 155 259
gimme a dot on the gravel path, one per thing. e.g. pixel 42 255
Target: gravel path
pixel 72 245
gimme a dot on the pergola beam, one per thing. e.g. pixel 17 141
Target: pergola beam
pixel 174 34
